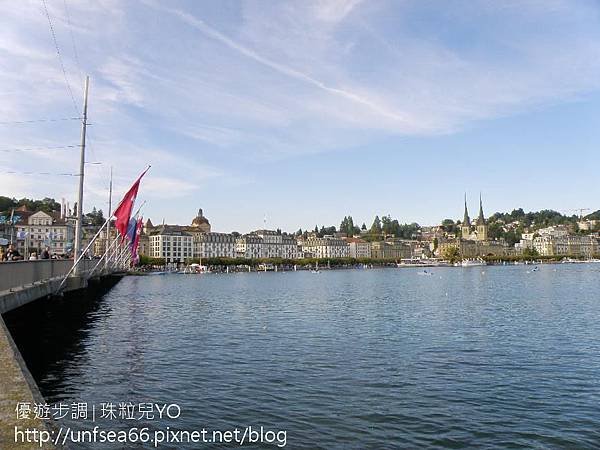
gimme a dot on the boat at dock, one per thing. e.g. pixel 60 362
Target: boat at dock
pixel 475 262
pixel 194 269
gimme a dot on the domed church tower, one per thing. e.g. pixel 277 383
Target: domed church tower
pixel 201 222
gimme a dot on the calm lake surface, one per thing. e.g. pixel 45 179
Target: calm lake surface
pixel 485 357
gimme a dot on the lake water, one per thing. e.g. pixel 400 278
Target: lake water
pixel 486 357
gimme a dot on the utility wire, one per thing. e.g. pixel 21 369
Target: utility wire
pixel 33 149
pixel 16 172
pixel 75 53
pixel 62 66
pixel 19 122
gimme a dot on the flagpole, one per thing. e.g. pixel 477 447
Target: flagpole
pixel 138 179
pixel 110 214
pixel 79 218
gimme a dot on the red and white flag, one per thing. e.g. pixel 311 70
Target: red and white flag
pixel 123 212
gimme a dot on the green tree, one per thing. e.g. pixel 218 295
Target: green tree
pixel 376 227
pixel 451 254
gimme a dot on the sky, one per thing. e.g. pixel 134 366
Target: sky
pixel 298 113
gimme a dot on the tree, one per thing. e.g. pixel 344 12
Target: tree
pixel 7 203
pixel 376 227
pixel 363 227
pixel 449 226
pixel 347 226
pixel 451 254
pixel 530 252
pixel 96 217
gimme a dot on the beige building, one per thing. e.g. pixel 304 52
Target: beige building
pixel 37 230
pixel 391 249
pixel 214 245
pixel 359 248
pixel 474 241
pixel 326 247
pixel 570 245
pixel 474 249
pixel 249 246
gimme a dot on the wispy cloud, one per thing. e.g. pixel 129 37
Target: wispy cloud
pixel 212 90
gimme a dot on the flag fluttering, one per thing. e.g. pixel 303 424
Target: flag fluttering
pixel 136 241
pixel 123 212
pixel 131 229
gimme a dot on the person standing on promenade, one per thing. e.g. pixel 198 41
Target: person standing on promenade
pixel 12 254
pixel 2 256
pixel 45 253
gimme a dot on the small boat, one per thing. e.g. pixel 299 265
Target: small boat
pixel 424 273
pixel 194 269
pixel 473 262
pixel 316 269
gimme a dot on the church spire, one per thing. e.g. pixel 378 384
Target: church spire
pixel 481 218
pixel 466 220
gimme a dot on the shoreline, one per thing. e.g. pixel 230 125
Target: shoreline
pixel 221 269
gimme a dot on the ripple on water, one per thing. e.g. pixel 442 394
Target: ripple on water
pixel 351 359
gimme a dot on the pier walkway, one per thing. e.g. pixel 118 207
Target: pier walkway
pixel 22 282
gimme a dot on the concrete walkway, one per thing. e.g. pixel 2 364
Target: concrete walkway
pixel 16 385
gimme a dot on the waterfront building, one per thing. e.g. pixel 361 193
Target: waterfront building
pixel 474 248
pixel 268 244
pixel 569 245
pixel 359 248
pixel 200 224
pixel 214 245
pixel 249 246
pixel 36 230
pixel 170 243
pixel 326 247
pixel 480 231
pixel 391 249
pixel 278 245
pixel 474 241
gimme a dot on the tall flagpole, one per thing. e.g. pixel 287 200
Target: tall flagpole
pixel 79 218
pixel 109 215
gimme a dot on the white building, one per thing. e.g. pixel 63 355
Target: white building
pixel 588 225
pixel 571 245
pixel 214 245
pixel 249 246
pixel 326 247
pixel 37 230
pixel 359 248
pixel 554 231
pixel 171 244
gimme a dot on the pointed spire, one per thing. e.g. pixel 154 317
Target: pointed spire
pixel 481 218
pixel 466 220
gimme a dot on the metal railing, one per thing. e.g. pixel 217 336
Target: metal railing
pixel 16 274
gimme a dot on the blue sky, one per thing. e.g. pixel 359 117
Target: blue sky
pixel 307 111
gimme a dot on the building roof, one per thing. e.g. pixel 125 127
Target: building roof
pixel 24 214
pixel 171 230
pixel 200 219
pixel 356 240
pixel 466 221
pixel 481 218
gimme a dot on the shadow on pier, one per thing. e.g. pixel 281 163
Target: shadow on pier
pixel 49 332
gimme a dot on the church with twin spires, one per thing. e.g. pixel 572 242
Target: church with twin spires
pixel 479 232
pixel 474 240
